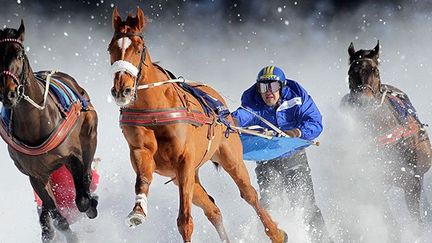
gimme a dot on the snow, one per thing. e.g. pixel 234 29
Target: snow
pixel 228 57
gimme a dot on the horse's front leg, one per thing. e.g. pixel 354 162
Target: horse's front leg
pixel 45 223
pixel 186 181
pixel 144 166
pixel 44 192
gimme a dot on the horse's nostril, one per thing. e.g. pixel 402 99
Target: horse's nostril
pixel 127 91
pixel 12 95
pixel 113 92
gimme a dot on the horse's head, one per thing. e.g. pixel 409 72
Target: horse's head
pixel 13 65
pixel 128 55
pixel 364 79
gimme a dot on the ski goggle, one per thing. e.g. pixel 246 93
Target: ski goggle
pixel 272 87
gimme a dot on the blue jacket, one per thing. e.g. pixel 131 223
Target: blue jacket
pixel 296 110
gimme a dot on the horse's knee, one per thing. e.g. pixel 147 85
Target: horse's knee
pixel 214 216
pixel 250 195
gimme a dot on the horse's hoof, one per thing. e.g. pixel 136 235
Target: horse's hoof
pixel 135 219
pixel 83 204
pixel 47 236
pixel 92 211
pixel 60 222
pixel 285 237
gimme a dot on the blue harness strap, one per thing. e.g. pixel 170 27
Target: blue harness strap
pixel 209 104
pixel 404 108
pixel 65 95
pixel 5 117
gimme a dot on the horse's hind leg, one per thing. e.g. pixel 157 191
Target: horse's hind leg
pixel 211 211
pixel 229 156
pixel 186 181
pixel 81 170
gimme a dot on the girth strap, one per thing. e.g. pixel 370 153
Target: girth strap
pixel 163 117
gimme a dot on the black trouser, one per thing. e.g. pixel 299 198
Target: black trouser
pixel 292 176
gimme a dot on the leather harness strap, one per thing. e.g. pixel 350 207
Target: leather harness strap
pixel 163 117
pixel 399 133
pixel 57 137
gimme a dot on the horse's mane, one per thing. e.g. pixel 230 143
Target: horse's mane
pixel 8 33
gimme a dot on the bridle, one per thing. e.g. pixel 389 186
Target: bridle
pixel 19 82
pixel 125 66
pixel 363 86
pixel 22 80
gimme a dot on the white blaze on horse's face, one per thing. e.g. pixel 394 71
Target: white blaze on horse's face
pixel 124 43
pixel 122 69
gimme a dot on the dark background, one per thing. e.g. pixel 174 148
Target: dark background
pixel 235 12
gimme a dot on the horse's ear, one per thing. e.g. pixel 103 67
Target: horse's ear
pixel 351 50
pixel 116 19
pixel 21 31
pixel 375 51
pixel 141 23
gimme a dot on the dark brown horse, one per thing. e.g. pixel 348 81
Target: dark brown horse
pixel 169 133
pixel 400 140
pixel 42 136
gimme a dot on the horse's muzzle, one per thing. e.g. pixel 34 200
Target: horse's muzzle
pixel 123 97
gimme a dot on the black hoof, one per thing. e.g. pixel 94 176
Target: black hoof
pixel 83 204
pixel 47 235
pixel 92 211
pixel 60 222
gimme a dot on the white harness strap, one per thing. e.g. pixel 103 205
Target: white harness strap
pixel 177 80
pixel 47 84
pixel 124 66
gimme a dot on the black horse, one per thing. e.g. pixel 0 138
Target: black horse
pixel 399 138
pixel 46 129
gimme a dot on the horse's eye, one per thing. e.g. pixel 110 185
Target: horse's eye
pixel 20 55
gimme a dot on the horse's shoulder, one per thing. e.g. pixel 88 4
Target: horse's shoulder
pixel 71 82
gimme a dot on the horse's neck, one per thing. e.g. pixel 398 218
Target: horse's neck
pixel 29 124
pixel 160 97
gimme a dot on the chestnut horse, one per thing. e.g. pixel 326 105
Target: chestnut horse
pixel 42 135
pixel 401 141
pixel 169 133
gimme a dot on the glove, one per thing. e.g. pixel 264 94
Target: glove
pixel 294 133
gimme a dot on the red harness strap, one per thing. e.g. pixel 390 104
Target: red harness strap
pixel 399 133
pixel 162 117
pixel 55 139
